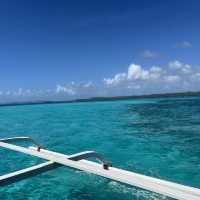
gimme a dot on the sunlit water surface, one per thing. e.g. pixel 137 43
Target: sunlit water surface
pixel 155 137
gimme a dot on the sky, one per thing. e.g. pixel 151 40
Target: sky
pixel 57 50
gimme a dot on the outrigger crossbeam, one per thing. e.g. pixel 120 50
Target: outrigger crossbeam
pixel 78 162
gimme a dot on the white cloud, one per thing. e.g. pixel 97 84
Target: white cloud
pixel 118 78
pixel 147 54
pixel 155 69
pixel 136 72
pixel 65 89
pixel 177 65
pixel 172 78
pixel 19 92
pixel 88 84
pixel 137 87
pixel 184 45
pixel 186 68
pixel 176 76
pixel 196 76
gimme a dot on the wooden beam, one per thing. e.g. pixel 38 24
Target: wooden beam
pixel 27 173
pixel 166 188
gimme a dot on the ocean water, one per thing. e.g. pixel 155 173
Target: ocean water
pixel 156 137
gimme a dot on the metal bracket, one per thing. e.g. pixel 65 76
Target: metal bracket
pixel 74 157
pixel 89 154
pixel 22 138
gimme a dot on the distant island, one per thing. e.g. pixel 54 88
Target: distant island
pixel 114 98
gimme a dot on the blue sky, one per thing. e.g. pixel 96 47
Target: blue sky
pixel 71 49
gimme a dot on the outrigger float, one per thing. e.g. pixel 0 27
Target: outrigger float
pixel 78 162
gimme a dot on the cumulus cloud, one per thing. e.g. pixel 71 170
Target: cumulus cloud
pixel 184 45
pixel 88 84
pixel 65 89
pixel 177 65
pixel 173 77
pixel 19 92
pixel 75 90
pixel 176 76
pixel 155 69
pixel 135 73
pixel 147 54
pixel 118 78
pixel 196 76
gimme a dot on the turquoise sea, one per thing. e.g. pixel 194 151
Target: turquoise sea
pixel 156 137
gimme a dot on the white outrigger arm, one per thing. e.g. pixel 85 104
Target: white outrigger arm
pixel 77 161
